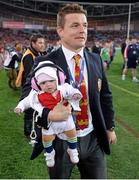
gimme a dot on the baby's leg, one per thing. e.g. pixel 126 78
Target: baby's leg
pixel 72 143
pixel 49 151
pixel 47 141
pixel 71 138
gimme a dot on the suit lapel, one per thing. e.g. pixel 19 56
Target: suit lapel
pixel 61 61
pixel 91 73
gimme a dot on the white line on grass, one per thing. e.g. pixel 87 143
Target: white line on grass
pixel 125 90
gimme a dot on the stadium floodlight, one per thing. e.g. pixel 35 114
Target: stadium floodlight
pixel 129 17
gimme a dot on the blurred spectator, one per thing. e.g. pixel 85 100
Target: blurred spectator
pixel 105 55
pixel 11 66
pixel 131 55
pixel 124 67
pixel 37 48
pixel 2 56
pixel 112 50
pixel 96 48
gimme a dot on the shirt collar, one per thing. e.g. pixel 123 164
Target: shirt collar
pixel 69 54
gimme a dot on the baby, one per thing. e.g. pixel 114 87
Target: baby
pixel 48 94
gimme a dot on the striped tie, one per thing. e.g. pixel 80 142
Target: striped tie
pixel 82 116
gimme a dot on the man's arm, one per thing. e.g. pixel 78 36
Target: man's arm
pixel 59 113
pixel 107 108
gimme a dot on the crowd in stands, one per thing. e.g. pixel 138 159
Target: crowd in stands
pixel 10 36
pixel 103 43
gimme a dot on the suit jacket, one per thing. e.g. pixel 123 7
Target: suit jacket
pixel 100 97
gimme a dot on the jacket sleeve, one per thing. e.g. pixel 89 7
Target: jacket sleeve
pixel 43 120
pixel 106 102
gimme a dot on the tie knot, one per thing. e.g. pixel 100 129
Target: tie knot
pixel 77 58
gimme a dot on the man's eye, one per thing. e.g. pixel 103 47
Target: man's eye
pixel 74 25
pixel 85 25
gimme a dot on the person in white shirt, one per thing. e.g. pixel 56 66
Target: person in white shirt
pixel 98 133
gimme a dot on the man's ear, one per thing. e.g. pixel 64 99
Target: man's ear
pixel 59 31
pixel 33 44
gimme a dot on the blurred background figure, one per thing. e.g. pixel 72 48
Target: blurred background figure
pixel 37 48
pixel 105 53
pixel 2 55
pixel 112 50
pixel 96 48
pixel 123 46
pixel 11 64
pixel 131 55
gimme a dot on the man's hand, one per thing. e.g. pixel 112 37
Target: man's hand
pixel 60 112
pixel 111 137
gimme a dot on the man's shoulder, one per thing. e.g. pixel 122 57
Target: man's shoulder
pixel 27 59
pixel 27 55
pixel 92 55
pixel 51 56
pixel 55 54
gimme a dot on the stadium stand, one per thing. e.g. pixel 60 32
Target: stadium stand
pixel 106 20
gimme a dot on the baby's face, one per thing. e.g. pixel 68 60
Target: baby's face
pixel 48 86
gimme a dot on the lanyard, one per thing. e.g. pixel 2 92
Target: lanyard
pixel 80 77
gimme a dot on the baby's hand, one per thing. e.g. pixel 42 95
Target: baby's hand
pixel 18 110
pixel 76 96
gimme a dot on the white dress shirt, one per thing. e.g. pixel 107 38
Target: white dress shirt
pixel 71 63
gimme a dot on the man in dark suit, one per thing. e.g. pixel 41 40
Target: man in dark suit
pixel 95 138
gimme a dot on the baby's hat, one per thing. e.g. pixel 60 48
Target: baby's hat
pixel 45 73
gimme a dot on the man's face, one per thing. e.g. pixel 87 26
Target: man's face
pixel 134 40
pixel 74 33
pixel 2 50
pixel 39 45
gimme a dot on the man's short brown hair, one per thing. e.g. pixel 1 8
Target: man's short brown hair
pixel 35 37
pixel 69 9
